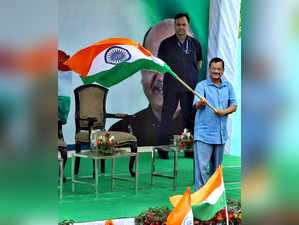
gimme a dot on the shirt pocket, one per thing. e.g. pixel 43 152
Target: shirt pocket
pixel 190 56
pixel 224 98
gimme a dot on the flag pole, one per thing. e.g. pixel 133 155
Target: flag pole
pixel 189 88
pixel 226 211
pixel 226 215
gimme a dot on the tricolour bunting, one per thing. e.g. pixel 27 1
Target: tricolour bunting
pixel 110 61
pixel 208 200
pixel 64 86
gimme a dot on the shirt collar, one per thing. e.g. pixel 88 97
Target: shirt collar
pixel 187 37
pixel 223 82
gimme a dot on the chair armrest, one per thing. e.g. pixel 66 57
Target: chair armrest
pixel 91 119
pixel 61 122
pixel 129 118
pixel 117 115
pixel 120 116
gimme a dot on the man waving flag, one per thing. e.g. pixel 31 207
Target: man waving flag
pixel 113 60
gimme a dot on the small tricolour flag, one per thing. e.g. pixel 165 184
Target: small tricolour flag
pixel 64 86
pixel 208 200
pixel 110 61
pixel 182 212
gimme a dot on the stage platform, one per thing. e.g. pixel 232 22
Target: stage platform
pixel 123 202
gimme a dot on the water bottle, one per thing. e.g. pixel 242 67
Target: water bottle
pixel 93 139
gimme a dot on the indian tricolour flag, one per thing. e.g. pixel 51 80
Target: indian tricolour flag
pixel 208 200
pixel 110 61
pixel 182 212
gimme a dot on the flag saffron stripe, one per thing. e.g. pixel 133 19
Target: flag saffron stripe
pixel 99 63
pixel 213 183
pixel 82 60
pixel 116 41
pixel 215 195
pixel 202 194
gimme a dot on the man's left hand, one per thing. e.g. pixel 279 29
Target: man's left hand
pixel 220 112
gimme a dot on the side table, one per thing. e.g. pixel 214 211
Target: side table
pixel 93 155
pixel 168 148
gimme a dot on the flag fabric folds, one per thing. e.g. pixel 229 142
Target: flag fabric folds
pixel 110 61
pixel 208 200
pixel 182 213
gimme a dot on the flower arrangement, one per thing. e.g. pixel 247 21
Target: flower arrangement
pixel 106 143
pixel 109 222
pixel 234 218
pixel 153 216
pixel 234 215
pixel 67 222
pixel 185 140
pixel 158 216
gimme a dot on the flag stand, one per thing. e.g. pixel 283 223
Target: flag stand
pixel 190 89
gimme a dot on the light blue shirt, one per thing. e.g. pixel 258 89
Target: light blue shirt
pixel 209 127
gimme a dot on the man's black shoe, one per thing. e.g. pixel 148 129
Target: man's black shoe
pixel 132 172
pixel 189 155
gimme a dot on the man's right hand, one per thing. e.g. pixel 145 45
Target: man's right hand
pixel 201 103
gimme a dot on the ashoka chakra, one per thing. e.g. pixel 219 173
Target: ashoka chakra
pixel 115 55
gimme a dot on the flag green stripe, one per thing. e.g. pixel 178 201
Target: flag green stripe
pixel 124 70
pixel 205 211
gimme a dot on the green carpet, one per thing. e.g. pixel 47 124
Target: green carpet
pixel 83 206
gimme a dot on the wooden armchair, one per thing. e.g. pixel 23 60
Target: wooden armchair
pixel 90 113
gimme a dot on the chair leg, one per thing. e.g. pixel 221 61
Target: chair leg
pixel 63 153
pixel 133 147
pixel 77 160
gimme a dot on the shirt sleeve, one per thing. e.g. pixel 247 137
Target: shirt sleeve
pixel 199 89
pixel 162 51
pixel 198 51
pixel 232 96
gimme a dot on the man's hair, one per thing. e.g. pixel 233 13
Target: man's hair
pixel 180 15
pixel 216 60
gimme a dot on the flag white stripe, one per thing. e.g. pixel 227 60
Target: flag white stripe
pixel 157 60
pixel 188 220
pixel 99 65
pixel 215 195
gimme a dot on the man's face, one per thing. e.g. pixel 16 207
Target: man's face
pixel 216 70
pixel 153 87
pixel 152 82
pixel 181 26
